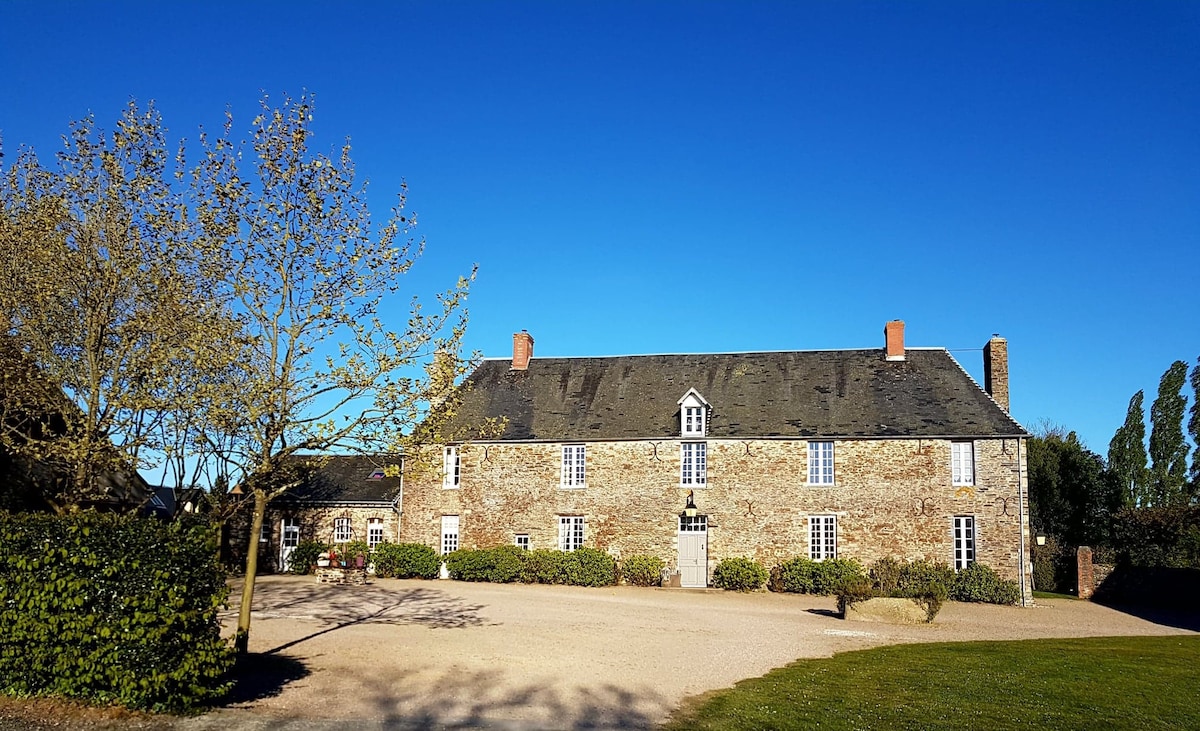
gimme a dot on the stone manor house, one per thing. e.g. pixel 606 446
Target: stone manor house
pixel 863 453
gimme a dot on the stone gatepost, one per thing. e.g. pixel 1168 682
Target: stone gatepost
pixel 1087 579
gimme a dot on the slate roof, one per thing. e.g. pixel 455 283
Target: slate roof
pixel 829 393
pixel 342 478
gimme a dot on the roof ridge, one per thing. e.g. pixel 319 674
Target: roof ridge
pixel 723 352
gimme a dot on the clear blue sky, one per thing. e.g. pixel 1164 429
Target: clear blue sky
pixel 697 177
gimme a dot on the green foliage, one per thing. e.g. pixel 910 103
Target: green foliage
pixel 805 576
pixel 112 609
pixel 643 570
pixel 999 686
pixel 978 583
pixel 351 550
pixel 304 556
pixel 1158 537
pixel 1127 455
pixel 500 564
pixel 739 574
pixel 924 578
pixel 544 566
pixel 924 582
pixel 1168 449
pixel 589 567
pixel 1070 494
pixel 508 562
pixel 406 561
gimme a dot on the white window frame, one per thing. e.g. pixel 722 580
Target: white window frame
pixel 965 537
pixel 822 537
pixel 821 463
pixel 374 532
pixel 693 524
pixel 570 532
pixel 451 468
pixel 264 532
pixel 693 414
pixel 289 532
pixel 693 464
pixel 521 540
pixel 450 534
pixel 962 463
pixel 574 466
pixel 342 531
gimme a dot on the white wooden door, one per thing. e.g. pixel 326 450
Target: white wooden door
pixel 289 538
pixel 693 551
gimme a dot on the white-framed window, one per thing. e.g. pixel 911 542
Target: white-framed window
pixel 693 414
pixel 962 463
pixel 693 463
pixel 693 523
pixel 573 469
pixel 449 534
pixel 341 530
pixel 451 468
pixel 820 463
pixel 264 533
pixel 964 541
pixel 521 541
pixel 570 532
pixel 822 537
pixel 374 532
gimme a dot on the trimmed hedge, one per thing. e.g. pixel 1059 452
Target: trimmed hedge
pixel 929 584
pixel 406 561
pixel 643 570
pixel 112 609
pixel 978 583
pixel 805 576
pixel 739 574
pixel 504 564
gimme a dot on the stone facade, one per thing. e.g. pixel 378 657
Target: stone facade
pixel 891 497
pixel 315 523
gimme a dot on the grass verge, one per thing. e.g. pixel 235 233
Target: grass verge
pixel 1106 682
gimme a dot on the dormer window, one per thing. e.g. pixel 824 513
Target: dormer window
pixel 693 414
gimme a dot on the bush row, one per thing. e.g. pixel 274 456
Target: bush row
pixel 112 609
pixel 925 580
pixel 505 564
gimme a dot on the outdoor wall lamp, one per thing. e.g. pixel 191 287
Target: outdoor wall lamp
pixel 1040 537
pixel 690 509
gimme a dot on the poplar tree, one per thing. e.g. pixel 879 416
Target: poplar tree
pixel 1127 454
pixel 1168 450
pixel 1194 430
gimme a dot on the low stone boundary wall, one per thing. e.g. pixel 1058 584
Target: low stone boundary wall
pixel 887 609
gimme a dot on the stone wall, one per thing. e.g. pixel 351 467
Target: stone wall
pixel 891 498
pixel 315 523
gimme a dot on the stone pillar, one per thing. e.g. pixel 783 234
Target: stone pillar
pixel 1087 580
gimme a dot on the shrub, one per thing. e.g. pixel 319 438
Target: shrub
pixel 112 609
pixel 978 583
pixel 924 578
pixel 589 567
pixel 885 574
pixel 508 563
pixel 406 561
pixel 643 570
pixel 304 556
pixel 469 564
pixel 739 574
pixel 544 566
pixel 924 582
pixel 804 576
pixel 351 550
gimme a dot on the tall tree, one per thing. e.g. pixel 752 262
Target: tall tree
pixel 1127 455
pixel 101 301
pixel 311 276
pixel 1194 430
pixel 1168 450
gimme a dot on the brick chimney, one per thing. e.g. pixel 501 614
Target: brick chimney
pixel 893 336
pixel 522 350
pixel 995 370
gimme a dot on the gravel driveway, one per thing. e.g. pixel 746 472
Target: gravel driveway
pixel 442 654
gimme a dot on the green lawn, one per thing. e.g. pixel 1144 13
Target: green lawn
pixel 1107 682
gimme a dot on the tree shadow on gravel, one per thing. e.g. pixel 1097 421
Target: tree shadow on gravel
pixel 339 606
pixel 481 700
pixel 260 675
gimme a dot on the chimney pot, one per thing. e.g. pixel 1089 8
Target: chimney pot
pixel 522 350
pixel 893 336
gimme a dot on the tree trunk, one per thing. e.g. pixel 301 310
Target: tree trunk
pixel 241 643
